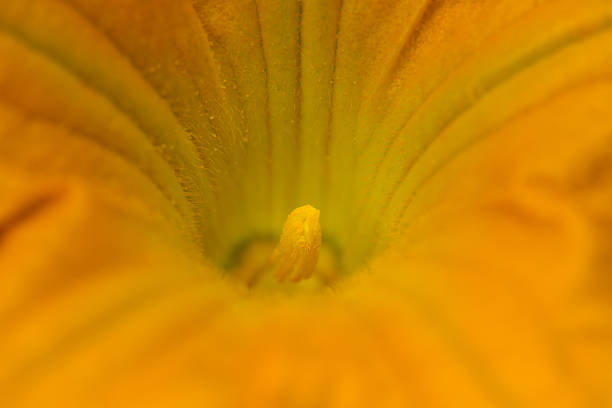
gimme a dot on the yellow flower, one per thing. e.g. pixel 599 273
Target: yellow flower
pixel 450 167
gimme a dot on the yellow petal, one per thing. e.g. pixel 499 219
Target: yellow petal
pixel 459 152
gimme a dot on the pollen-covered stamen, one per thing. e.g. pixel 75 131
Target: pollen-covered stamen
pixel 297 252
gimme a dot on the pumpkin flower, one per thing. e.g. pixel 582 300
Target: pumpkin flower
pixel 306 203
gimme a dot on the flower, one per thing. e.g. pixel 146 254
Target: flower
pixel 459 153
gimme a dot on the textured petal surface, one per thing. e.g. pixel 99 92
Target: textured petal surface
pixel 460 153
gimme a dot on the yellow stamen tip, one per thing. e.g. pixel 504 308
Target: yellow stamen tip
pixel 297 252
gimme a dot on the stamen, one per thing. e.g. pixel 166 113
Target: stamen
pixel 297 252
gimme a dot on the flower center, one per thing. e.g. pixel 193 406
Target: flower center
pixel 297 253
pixel 298 262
